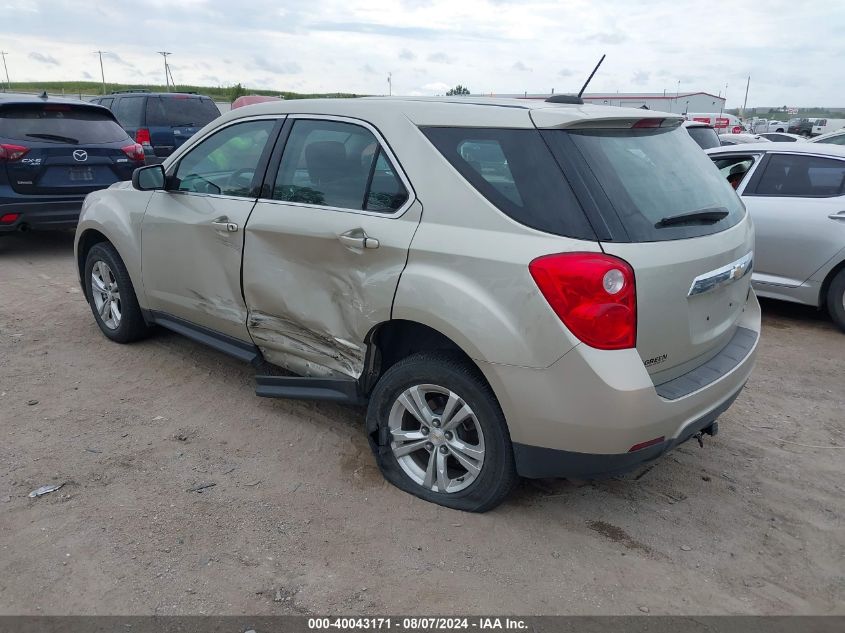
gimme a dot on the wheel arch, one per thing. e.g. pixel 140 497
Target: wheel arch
pixel 827 281
pixel 390 341
pixel 84 243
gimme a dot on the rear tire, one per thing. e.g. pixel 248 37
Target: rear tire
pixel 836 299
pixel 448 443
pixel 111 295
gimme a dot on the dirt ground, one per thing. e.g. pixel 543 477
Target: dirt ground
pixel 300 521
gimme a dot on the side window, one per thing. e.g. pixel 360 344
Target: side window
pixel 517 173
pixel 386 193
pixel 334 164
pixel 487 159
pixel 129 110
pixel 802 176
pixel 106 102
pixel 225 163
pixel 734 168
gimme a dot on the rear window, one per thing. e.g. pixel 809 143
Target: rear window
pixel 517 173
pixel 59 123
pixel 706 137
pixel 180 111
pixel 644 179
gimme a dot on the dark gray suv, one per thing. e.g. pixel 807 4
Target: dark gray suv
pixel 160 121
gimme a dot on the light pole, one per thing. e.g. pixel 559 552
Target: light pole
pixel 389 84
pixel 6 68
pixel 166 70
pixel 102 72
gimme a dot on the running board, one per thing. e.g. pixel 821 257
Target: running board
pixel 302 388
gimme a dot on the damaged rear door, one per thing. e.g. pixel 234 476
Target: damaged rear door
pixel 326 245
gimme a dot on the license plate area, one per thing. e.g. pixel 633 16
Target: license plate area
pixel 81 174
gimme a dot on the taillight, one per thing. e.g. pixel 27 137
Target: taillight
pixel 8 218
pixel 142 136
pixel 134 151
pixel 12 152
pixel 593 294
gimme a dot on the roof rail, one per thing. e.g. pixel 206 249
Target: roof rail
pixel 565 99
pixel 120 92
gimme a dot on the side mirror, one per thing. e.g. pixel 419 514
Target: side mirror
pixel 148 178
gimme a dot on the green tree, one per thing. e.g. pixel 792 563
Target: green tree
pixel 236 91
pixel 458 90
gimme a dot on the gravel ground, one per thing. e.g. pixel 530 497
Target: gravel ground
pixel 299 520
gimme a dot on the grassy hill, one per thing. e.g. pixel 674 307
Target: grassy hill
pixel 219 93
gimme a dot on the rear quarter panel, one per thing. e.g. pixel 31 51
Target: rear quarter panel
pixel 467 272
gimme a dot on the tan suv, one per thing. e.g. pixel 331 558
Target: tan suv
pixel 515 288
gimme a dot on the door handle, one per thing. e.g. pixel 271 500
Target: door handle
pixel 840 215
pixel 224 225
pixel 357 238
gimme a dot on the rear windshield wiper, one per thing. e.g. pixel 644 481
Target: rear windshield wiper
pixel 702 216
pixel 56 137
pixel 184 125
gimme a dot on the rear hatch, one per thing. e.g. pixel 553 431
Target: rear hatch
pixel 173 119
pixel 64 149
pixel 657 201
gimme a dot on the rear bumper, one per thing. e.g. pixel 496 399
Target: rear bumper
pixel 582 415
pixel 535 462
pixel 41 213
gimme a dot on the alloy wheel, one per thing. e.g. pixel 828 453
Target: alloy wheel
pixel 106 294
pixel 436 438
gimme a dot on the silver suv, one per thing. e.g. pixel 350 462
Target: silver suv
pixel 513 288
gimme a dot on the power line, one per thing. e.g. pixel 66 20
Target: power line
pixel 166 68
pixel 6 68
pixel 102 72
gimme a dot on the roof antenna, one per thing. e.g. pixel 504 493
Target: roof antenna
pixel 590 78
pixel 573 99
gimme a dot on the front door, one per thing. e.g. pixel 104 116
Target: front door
pixel 797 203
pixel 326 247
pixel 192 235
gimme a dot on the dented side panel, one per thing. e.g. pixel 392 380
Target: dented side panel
pixel 312 299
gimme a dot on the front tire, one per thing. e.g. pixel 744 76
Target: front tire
pixel 836 299
pixel 445 439
pixel 111 295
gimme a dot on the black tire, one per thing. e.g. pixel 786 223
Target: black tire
pixel 132 326
pixel 497 476
pixel 836 299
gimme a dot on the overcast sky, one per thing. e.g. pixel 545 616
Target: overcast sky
pixel 794 51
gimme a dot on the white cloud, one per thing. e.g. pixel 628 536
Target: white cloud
pixel 328 45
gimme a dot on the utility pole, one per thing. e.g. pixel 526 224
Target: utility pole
pixel 745 102
pixel 6 68
pixel 389 84
pixel 166 69
pixel 102 72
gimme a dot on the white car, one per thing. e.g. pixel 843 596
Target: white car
pixel 736 139
pixel 834 138
pixel 777 126
pixel 795 193
pixel 782 137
